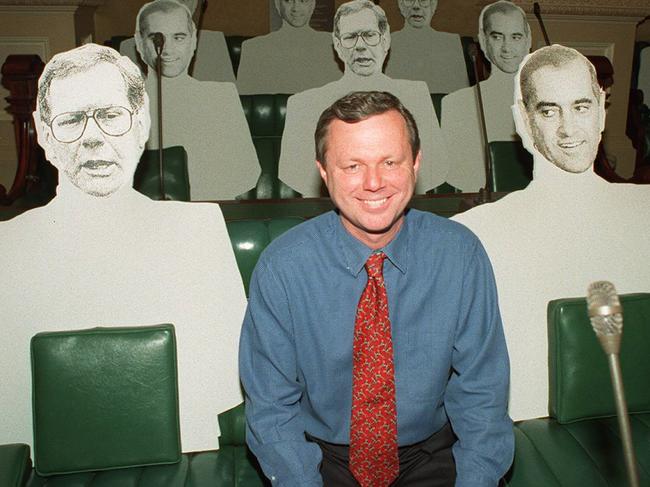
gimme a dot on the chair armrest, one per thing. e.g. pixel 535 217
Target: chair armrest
pixel 15 465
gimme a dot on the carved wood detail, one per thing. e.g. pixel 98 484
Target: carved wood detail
pixel 20 76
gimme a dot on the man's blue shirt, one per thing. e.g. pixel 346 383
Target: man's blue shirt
pixel 450 355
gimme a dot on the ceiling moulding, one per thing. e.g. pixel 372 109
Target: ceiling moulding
pixel 606 8
pixel 52 3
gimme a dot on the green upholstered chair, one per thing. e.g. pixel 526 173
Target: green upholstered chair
pixel 250 237
pixel 436 99
pixel 234 50
pixel 579 444
pixel 512 166
pixel 105 398
pixel 177 180
pixel 265 114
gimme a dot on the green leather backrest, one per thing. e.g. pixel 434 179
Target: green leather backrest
pixel 579 380
pixel 177 181
pixel 234 50
pixel 512 166
pixel 436 99
pixel 250 237
pixel 105 398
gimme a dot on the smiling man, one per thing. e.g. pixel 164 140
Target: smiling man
pixel 372 350
pixel 553 238
pixel 420 52
pixel 564 109
pixel 102 254
pixel 361 39
pixel 504 36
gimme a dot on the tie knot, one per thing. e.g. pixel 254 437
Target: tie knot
pixel 375 265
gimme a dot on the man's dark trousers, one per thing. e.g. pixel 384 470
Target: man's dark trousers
pixel 429 463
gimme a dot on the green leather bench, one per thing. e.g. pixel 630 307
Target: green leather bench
pixel 579 444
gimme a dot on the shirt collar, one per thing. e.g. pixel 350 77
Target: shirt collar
pixel 354 254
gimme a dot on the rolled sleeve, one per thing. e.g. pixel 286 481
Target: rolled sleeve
pixel 268 369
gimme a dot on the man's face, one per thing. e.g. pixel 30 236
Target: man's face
pixel 506 40
pixel 179 42
pixel 296 13
pixel 417 13
pixel 362 59
pixel 565 117
pixel 98 164
pixel 370 174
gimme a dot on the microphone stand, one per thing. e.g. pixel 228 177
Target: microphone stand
pixel 159 42
pixel 485 193
pixel 602 313
pixel 538 13
pixel 199 24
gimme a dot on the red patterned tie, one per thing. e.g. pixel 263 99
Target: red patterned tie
pixel 373 429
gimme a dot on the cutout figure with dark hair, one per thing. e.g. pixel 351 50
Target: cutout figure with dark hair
pixel 375 327
pixel 504 35
pixel 212 61
pixel 569 227
pixel 102 254
pixel 362 40
pixel 290 60
pixel 205 117
pixel 420 52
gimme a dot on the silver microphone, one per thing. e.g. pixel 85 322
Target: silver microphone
pixel 606 316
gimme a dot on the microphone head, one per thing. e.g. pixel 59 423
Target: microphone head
pixel 536 9
pixel 605 314
pixel 158 42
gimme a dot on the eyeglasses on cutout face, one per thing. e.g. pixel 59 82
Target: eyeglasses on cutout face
pixel 370 37
pixel 68 127
pixel 422 3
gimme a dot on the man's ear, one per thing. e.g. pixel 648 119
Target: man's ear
pixel 338 47
pixel 322 171
pixel 139 45
pixel 416 163
pixel 44 137
pixel 385 41
pixel 601 110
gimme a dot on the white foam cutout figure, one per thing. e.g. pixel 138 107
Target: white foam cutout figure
pixel 569 227
pixel 504 36
pixel 211 61
pixel 290 60
pixel 205 117
pixel 362 40
pixel 420 52
pixel 102 254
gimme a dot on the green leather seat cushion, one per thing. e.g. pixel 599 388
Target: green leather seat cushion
pixel 580 454
pixel 105 398
pixel 579 382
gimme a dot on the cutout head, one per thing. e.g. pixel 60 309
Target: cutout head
pixel 417 13
pixel 361 37
pixel 368 154
pixel 504 35
pixel 559 107
pixel 296 13
pixel 174 21
pixel 92 118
